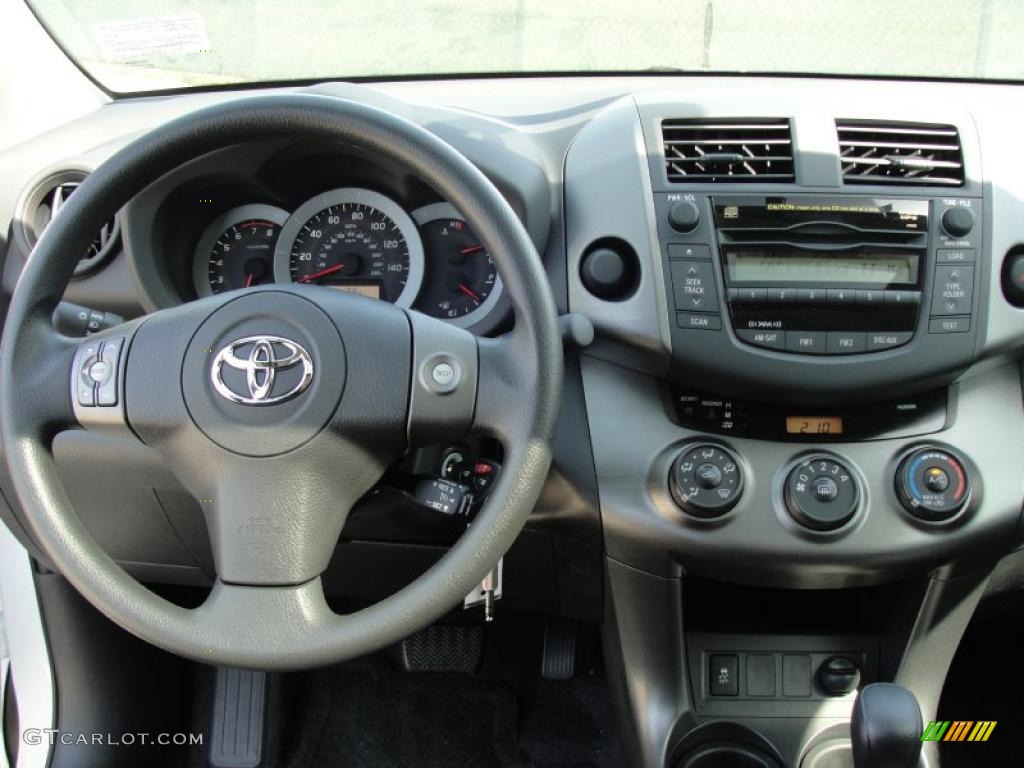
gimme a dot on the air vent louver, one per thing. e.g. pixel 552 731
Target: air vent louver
pixel 876 152
pixel 731 151
pixel 45 202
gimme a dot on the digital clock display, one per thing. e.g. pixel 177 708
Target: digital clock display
pixel 814 425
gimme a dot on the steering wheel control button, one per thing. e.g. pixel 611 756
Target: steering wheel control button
pixel 706 480
pixel 932 484
pixel 821 493
pixel 442 374
pixel 96 366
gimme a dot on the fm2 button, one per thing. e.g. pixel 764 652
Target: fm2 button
pixel 705 480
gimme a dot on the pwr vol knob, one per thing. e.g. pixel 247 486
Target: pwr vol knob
pixel 932 484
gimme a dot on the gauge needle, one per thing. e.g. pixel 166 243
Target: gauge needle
pixel 321 273
pixel 469 292
pixel 248 280
pixel 471 249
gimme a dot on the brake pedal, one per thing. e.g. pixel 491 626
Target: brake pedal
pixel 559 660
pixel 443 648
pixel 239 704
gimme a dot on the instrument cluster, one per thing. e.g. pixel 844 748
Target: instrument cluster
pixel 353 239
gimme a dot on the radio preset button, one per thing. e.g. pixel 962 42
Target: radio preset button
pixel 781 295
pixel 846 343
pixel 806 342
pixel 953 289
pixel 763 338
pixel 870 297
pixel 748 295
pixel 811 295
pixel 841 295
pixel 693 284
pixel 902 297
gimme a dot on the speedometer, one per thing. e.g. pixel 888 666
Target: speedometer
pixel 355 240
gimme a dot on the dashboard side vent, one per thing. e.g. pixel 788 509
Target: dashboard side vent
pixel 877 152
pixel 43 203
pixel 706 150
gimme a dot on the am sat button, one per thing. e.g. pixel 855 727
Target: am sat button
pixel 763 338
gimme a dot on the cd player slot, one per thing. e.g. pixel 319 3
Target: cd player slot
pixel 823 237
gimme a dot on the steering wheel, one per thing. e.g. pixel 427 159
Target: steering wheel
pixel 279 407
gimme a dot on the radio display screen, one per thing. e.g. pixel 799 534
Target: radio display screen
pixel 786 266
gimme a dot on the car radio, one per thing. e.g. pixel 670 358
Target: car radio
pixel 763 288
pixel 822 275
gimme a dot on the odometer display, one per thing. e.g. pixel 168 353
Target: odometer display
pixel 356 240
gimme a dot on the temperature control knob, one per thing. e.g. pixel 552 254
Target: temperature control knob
pixel 705 480
pixel 821 493
pixel 932 484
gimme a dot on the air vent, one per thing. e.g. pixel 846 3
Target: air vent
pixel 875 152
pixel 731 151
pixel 44 201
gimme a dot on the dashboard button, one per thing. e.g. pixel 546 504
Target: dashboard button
pixel 781 295
pixel 762 338
pixel 748 295
pixel 688 251
pixel 846 343
pixel 879 340
pixel 949 324
pixel 723 674
pixel 953 289
pixel 693 285
pixel 902 297
pixel 811 295
pixel 955 256
pixel 841 295
pixel 698 322
pixel 806 342
pixel 870 297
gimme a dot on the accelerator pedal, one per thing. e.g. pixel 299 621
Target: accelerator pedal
pixel 239 704
pixel 559 661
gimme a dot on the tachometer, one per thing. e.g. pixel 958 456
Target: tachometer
pixel 236 250
pixel 354 240
pixel 460 282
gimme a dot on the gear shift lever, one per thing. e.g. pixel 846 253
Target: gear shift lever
pixel 886 728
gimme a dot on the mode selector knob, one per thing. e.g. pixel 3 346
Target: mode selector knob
pixel 821 493
pixel 705 480
pixel 958 221
pixel 684 216
pixel 932 484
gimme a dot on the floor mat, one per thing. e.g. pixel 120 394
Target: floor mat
pixel 367 714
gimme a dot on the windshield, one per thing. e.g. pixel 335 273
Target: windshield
pixel 146 45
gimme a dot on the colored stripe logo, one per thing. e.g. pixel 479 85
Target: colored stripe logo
pixel 958 730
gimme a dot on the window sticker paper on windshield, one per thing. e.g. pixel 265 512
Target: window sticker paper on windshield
pixel 138 40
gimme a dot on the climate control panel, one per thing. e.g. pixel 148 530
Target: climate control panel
pixel 932 484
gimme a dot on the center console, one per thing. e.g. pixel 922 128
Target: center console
pixel 806 444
